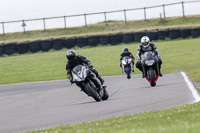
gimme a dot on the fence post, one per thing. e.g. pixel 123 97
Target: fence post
pixel 105 18
pixel 85 20
pixel 125 16
pixel 44 24
pixel 65 22
pixel 183 9
pixel 23 25
pixel 3 28
pixel 145 13
pixel 164 11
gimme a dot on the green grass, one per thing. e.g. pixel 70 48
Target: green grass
pixel 101 28
pixel 184 119
pixel 177 56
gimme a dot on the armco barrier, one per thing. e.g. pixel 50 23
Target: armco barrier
pixel 10 48
pixel 22 48
pixel 82 41
pixel 93 40
pixel 162 34
pixel 70 42
pixel 1 50
pixel 152 35
pixel 58 44
pixel 34 46
pixel 185 33
pixel 127 37
pixel 46 45
pixel 195 32
pixel 116 39
pixel 138 36
pixel 174 33
pixel 104 39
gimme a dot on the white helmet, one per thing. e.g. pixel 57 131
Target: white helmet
pixel 145 41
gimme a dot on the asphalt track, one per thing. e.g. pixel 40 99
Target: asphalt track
pixel 37 105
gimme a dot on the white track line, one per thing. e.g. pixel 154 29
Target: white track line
pixel 191 87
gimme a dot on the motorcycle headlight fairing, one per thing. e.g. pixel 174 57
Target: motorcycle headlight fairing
pixel 149 62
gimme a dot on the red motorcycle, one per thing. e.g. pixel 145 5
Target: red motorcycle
pixel 150 67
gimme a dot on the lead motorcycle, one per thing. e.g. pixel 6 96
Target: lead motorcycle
pixel 150 67
pixel 82 74
pixel 127 65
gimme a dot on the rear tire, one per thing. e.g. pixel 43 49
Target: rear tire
pixel 152 78
pixel 92 92
pixel 105 96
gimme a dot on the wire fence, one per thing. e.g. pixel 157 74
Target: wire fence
pixel 62 21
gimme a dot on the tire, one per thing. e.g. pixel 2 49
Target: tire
pixel 152 78
pixel 138 36
pixel 104 40
pixel 116 39
pixel 1 50
pixel 185 33
pixel 127 38
pixel 46 45
pixel 174 33
pixel 92 92
pixel 34 46
pixel 152 35
pixel 106 95
pixel 58 44
pixel 128 72
pixel 195 32
pixel 10 48
pixel 93 41
pixel 162 34
pixel 22 48
pixel 81 42
pixel 70 43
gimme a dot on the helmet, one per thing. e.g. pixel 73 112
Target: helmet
pixel 71 55
pixel 145 41
pixel 125 50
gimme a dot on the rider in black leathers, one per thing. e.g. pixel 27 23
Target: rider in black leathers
pixel 73 61
pixel 146 46
pixel 126 53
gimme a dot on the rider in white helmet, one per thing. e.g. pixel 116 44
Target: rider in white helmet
pixel 146 46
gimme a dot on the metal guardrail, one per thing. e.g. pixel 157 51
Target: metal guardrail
pixel 105 15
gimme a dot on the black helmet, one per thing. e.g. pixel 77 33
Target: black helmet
pixel 126 49
pixel 71 55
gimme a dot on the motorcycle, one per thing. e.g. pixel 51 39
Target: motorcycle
pixel 150 67
pixel 92 85
pixel 127 65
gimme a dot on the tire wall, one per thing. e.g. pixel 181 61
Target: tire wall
pixel 113 39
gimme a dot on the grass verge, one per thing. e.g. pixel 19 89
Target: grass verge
pixel 102 28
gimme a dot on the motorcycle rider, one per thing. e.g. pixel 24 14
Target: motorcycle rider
pixel 127 53
pixel 146 46
pixel 75 60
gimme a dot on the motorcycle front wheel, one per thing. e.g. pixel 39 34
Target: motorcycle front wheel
pixel 152 77
pixel 92 92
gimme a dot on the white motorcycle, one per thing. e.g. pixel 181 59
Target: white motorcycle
pixel 127 66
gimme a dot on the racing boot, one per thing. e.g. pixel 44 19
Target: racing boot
pixel 160 74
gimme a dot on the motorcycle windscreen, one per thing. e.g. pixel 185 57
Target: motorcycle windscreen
pixel 79 73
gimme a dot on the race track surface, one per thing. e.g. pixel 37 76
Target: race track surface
pixel 31 106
